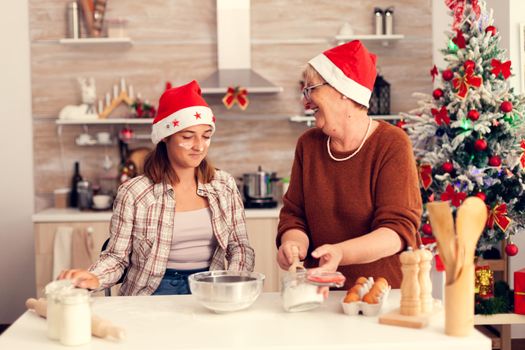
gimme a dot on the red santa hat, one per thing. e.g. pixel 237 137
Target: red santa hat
pixel 179 108
pixel 350 69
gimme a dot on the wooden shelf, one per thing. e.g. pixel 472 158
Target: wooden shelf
pixel 385 39
pixel 310 120
pixel 96 41
pixel 108 121
pixel 499 319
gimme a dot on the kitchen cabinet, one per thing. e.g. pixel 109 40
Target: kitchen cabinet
pixel 261 225
pixel 44 233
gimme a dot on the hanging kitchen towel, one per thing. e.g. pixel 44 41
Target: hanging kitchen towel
pixel 82 249
pixel 62 249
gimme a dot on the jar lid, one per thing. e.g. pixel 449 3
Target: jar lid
pixel 74 296
pixel 58 286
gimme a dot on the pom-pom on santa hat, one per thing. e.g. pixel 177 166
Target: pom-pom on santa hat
pixel 350 69
pixel 179 108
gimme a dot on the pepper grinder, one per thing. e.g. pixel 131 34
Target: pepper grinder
pixel 425 283
pixel 410 290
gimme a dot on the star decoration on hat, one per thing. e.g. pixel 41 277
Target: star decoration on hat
pixel 175 123
pixel 197 115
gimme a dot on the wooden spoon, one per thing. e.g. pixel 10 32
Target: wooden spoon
pixel 442 224
pixel 297 265
pixel 471 219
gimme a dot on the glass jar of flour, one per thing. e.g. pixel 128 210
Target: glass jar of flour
pixel 76 318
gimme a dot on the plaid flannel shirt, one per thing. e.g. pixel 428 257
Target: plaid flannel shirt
pixel 142 228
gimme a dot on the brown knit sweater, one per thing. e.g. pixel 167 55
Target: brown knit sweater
pixel 335 201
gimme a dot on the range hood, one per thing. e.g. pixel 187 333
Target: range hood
pixel 234 52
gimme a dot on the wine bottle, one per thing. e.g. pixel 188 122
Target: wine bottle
pixel 74 192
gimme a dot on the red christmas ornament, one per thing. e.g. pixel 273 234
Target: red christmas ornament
pixel 126 134
pixel 473 115
pixel 481 196
pixel 511 249
pixel 491 29
pixel 469 65
pixel 437 94
pixel 427 229
pixel 447 167
pixel 400 124
pixel 494 161
pixel 506 106
pixel 480 145
pixel 447 75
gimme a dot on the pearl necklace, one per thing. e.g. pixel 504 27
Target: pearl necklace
pixel 356 151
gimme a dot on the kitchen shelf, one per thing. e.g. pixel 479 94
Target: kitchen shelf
pixel 310 120
pixel 385 39
pixel 108 121
pixel 96 41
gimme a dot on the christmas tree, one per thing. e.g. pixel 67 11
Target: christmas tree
pixel 468 136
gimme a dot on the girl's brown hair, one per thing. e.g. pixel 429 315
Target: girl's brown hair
pixel 158 169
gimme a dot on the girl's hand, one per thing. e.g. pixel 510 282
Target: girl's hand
pixel 81 278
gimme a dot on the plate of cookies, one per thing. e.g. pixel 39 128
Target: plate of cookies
pixel 366 296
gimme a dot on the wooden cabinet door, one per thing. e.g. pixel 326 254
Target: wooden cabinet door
pixel 261 233
pixel 44 243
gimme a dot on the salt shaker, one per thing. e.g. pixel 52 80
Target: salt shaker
pixel 76 318
pixel 389 21
pixel 53 291
pixel 378 20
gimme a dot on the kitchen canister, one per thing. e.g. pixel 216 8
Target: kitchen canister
pixel 378 21
pixel 73 20
pixel 53 290
pixel 389 21
pixel 76 318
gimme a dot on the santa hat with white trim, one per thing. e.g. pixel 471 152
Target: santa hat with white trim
pixel 179 108
pixel 348 68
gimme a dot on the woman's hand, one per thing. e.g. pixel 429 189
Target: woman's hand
pixel 81 278
pixel 329 255
pixel 285 253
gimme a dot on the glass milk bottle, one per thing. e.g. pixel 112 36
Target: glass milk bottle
pixel 54 308
pixel 76 318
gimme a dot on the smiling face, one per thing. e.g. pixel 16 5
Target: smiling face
pixel 188 147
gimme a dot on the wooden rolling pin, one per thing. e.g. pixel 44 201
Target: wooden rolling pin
pixel 99 327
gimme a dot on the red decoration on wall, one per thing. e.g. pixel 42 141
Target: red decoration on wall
pixel 236 95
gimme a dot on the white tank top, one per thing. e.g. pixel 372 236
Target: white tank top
pixel 193 242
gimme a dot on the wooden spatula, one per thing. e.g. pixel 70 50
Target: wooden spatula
pixel 471 219
pixel 442 224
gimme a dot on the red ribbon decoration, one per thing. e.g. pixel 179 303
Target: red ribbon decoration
pixel 458 6
pixel 522 158
pixel 462 84
pixel 434 72
pixel 236 95
pixel 459 40
pixel 498 216
pixel 503 68
pixel 441 116
pixel 425 174
pixel 451 195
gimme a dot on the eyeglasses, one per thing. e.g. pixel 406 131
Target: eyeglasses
pixel 307 91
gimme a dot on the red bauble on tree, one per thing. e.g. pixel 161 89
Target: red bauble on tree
pixel 506 106
pixel 427 229
pixel 473 115
pixel 495 161
pixel 437 93
pixel 481 196
pixel 447 75
pixel 511 249
pixel 491 29
pixel 480 145
pixel 447 167
pixel 400 124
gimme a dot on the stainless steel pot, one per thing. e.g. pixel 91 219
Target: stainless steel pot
pixel 259 185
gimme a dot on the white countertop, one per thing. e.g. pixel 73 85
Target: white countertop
pixel 75 215
pixel 179 322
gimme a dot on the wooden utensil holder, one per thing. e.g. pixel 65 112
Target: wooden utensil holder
pixel 459 303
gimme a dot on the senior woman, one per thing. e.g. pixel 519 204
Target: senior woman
pixel 353 203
